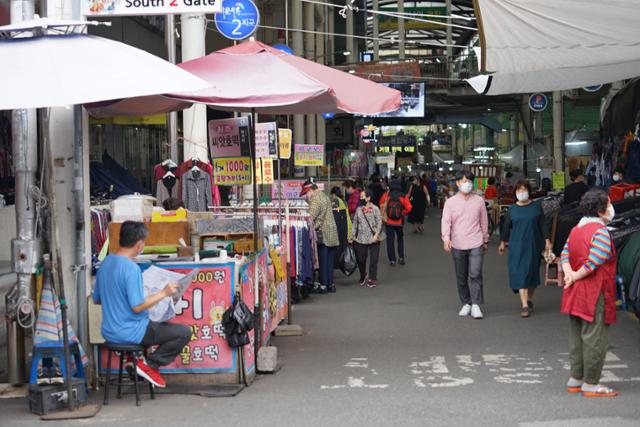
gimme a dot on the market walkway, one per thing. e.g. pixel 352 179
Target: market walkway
pixel 399 355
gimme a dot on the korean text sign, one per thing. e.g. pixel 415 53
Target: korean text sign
pixel 285 137
pixel 266 139
pixel 309 155
pixel 290 189
pixel 229 137
pixel 232 171
pixel 201 308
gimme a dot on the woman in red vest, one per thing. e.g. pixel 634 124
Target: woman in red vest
pixel 589 265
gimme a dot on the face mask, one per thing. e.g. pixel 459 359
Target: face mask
pixel 363 202
pixel 466 187
pixel 616 178
pixel 522 196
pixel 611 213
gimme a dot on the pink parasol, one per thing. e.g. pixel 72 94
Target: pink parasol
pixel 254 76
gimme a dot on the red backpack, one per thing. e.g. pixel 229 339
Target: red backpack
pixel 394 208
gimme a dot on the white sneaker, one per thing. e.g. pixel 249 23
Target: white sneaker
pixel 466 310
pixel 475 312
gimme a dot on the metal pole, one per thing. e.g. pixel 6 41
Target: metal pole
pixel 24 252
pixel 558 132
pixel 258 301
pixel 401 34
pixel 170 51
pixel 298 48
pixel 376 32
pixel 350 44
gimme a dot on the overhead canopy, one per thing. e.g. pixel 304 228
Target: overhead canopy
pixel 546 45
pixel 66 68
pixel 252 75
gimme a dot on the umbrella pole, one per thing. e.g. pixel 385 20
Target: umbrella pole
pixel 55 239
pixel 254 158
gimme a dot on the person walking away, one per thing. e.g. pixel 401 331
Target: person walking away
pixel 589 296
pixel 433 189
pixel 465 233
pixel 525 231
pixel 352 193
pixel 394 207
pixel 365 237
pixel 574 191
pixel 321 211
pixel 418 195
pixel 376 189
pixel 343 222
pixel 125 315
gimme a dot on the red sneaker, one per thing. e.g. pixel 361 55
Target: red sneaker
pixel 150 374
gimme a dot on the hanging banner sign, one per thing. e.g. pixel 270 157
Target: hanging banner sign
pixel 308 155
pixel 238 19
pixel 264 171
pixel 266 139
pixel 285 136
pixel 232 171
pixel 148 7
pixel 290 189
pixel 229 137
pixel 267 171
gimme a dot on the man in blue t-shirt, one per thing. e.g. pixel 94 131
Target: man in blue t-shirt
pixel 125 319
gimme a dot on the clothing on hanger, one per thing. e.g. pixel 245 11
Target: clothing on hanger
pixel 196 190
pixel 167 187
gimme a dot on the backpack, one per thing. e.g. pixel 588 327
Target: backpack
pixel 394 208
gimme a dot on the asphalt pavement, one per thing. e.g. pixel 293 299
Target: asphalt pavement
pixel 399 355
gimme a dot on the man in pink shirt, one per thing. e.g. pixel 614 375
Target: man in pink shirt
pixel 465 234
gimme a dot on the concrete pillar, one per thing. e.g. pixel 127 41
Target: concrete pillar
pixel 513 130
pixel 194 119
pixel 322 59
pixel 401 33
pixel 350 42
pixel 331 40
pixel 298 47
pixel 558 131
pixel 170 52
pixel 376 32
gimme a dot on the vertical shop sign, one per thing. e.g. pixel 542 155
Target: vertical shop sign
pixel 267 171
pixel 229 137
pixel 558 179
pixel 285 136
pixel 308 155
pixel 266 139
pixel 201 309
pixel 259 171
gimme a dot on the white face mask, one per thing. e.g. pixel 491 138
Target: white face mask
pixel 466 187
pixel 522 196
pixel 616 178
pixel 611 213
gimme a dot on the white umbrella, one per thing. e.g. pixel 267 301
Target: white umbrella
pixel 65 67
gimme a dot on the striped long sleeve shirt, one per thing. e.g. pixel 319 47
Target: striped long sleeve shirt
pixel 601 250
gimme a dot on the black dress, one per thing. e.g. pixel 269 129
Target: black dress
pixel 419 203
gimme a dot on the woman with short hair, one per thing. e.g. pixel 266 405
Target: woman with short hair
pixel 589 297
pixel 525 232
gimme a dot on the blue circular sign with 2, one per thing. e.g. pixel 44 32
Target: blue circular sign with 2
pixel 593 88
pixel 538 102
pixel 238 20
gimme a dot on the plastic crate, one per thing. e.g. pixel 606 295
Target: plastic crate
pixel 621 191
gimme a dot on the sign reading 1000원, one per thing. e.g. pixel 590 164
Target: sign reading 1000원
pixel 148 7
pixel 238 19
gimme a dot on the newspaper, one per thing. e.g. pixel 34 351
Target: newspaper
pixel 154 280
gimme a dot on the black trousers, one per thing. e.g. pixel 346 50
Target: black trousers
pixel 392 232
pixel 362 251
pixel 171 339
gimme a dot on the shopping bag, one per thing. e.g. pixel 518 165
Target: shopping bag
pixel 348 261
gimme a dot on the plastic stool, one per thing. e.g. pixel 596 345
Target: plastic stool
pixel 134 351
pixel 55 350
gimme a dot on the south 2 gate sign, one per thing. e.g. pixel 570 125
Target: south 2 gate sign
pixel 148 7
pixel 238 19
